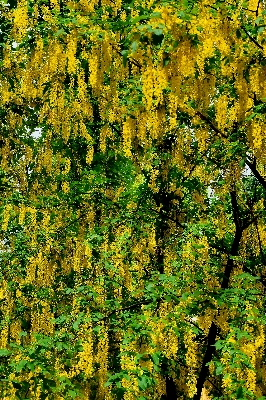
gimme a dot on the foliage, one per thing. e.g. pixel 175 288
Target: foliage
pixel 132 178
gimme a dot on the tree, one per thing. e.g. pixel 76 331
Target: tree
pixel 132 199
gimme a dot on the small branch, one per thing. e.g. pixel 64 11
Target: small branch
pixel 70 223
pixel 214 8
pixel 132 306
pixel 213 384
pixel 213 331
pixel 252 38
pixel 204 371
pixel 210 123
pixel 216 387
pixel 235 211
pixel 257 9
pixel 193 323
pixel 115 128
pixel 132 60
pixel 256 173
pixel 247 9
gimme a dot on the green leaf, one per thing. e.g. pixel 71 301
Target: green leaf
pixel 60 32
pixel 134 46
pixel 4 352
pixel 125 55
pixel 143 384
pixel 250 117
pixel 157 32
pixel 139 18
pixel 72 393
pixel 76 325
pixel 198 246
pixel 156 14
pixel 242 163
pixel 155 358
pixel 166 61
pixel 21 365
pixel 258 20
pixel 239 393
pixel 219 344
pixel 219 370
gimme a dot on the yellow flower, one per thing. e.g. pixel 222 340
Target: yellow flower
pixel 6 217
pixel 65 187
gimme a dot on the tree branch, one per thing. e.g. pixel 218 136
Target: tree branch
pixel 256 173
pixel 252 38
pixel 130 307
pixel 210 123
pixel 213 331
pixel 257 9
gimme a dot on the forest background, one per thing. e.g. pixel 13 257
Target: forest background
pixel 132 181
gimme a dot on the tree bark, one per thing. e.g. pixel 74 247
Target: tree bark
pixel 170 389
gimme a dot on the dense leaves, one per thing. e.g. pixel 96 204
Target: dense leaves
pixel 132 184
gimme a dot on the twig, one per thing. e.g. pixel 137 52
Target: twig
pixel 252 38
pixel 257 9
pixel 126 308
pixel 210 123
pixel 256 173
pixel 193 323
pixel 213 331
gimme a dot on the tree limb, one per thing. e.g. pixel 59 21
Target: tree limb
pixel 213 331
pixel 252 38
pixel 210 123
pixel 256 173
